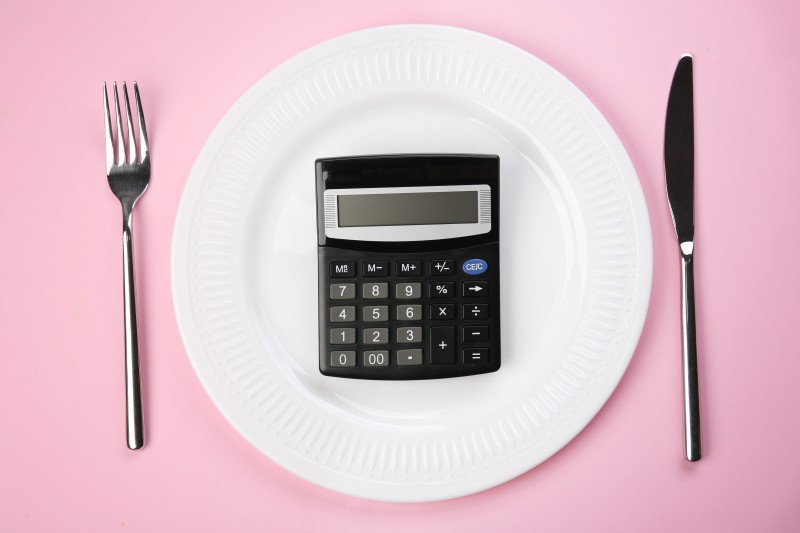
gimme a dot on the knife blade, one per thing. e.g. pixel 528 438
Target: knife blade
pixel 679 176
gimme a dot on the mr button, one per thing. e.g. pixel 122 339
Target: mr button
pixel 342 269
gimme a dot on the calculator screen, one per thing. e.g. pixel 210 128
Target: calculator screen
pixel 400 209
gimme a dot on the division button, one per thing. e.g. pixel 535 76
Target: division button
pixel 409 357
pixel 475 333
pixel 375 269
pixel 475 289
pixel 342 269
pixel 343 335
pixel 344 358
pixel 476 355
pixel 408 268
pixel 476 311
pixel 376 358
pixel 443 345
pixel 441 267
pixel 442 311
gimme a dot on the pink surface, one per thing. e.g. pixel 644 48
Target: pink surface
pixel 63 461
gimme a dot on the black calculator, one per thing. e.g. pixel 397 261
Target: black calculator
pixel 409 266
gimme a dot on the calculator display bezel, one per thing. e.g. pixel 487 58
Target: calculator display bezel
pixel 410 172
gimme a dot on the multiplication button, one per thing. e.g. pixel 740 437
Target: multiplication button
pixel 442 311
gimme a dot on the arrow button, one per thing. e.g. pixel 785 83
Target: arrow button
pixel 475 289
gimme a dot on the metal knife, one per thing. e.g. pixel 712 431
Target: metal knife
pixel 679 172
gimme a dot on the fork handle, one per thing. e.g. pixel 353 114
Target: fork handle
pixel 691 395
pixel 133 390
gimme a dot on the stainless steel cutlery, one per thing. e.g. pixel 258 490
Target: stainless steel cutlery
pixel 679 172
pixel 128 171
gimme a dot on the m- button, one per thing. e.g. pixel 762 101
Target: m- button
pixel 375 269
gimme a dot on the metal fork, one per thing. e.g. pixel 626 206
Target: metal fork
pixel 128 176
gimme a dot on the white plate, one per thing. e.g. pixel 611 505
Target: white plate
pixel 576 262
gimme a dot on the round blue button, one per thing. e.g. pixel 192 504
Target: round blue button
pixel 474 267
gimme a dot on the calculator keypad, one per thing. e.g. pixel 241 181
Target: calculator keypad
pixel 413 317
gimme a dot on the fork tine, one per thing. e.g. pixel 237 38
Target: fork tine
pixel 131 136
pixel 109 136
pixel 120 132
pixel 143 145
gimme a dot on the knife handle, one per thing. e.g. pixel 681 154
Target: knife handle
pixel 691 396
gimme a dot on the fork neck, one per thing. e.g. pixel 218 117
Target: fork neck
pixel 127 215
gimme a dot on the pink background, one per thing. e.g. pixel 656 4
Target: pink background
pixel 63 461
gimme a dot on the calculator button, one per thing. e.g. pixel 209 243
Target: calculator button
pixel 343 335
pixel 409 335
pixel 474 267
pixel 342 269
pixel 376 336
pixel 475 333
pixel 476 355
pixel 375 269
pixel 409 312
pixel 345 358
pixel 443 345
pixel 376 313
pixel 476 311
pixel 408 268
pixel 441 267
pixel 343 313
pixel 441 289
pixel 343 291
pixel 371 291
pixel 376 358
pixel 442 311
pixel 408 291
pixel 409 357
pixel 475 289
